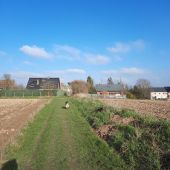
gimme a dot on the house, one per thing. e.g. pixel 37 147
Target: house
pixel 43 83
pixel 7 84
pixel 158 93
pixel 66 88
pixel 110 90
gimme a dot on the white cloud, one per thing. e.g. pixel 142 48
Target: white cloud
pixel 68 71
pixel 75 70
pixel 66 51
pixel 28 63
pixel 121 47
pixel 132 70
pixel 97 59
pixel 72 53
pixel 35 51
pixel 125 71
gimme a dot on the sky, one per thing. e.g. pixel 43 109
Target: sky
pixel 72 39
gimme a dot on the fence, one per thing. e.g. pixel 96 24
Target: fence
pixel 30 93
pixel 106 96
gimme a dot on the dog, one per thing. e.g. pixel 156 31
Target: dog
pixel 67 105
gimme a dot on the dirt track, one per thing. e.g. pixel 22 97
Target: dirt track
pixel 160 109
pixel 14 114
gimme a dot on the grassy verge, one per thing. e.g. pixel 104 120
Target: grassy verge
pixel 62 139
pixel 142 144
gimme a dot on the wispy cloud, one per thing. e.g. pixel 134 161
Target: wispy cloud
pixel 121 47
pixel 35 51
pixel 67 52
pixel 97 59
pixel 125 71
pixel 132 70
pixel 68 71
pixel 72 53
pixel 28 63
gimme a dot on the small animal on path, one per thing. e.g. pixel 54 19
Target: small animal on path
pixel 67 105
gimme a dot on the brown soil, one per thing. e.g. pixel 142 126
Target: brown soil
pixel 160 109
pixel 14 114
pixel 121 120
pixel 106 130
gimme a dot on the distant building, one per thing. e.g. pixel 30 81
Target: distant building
pixel 7 84
pixel 43 83
pixel 112 90
pixel 66 88
pixel 160 93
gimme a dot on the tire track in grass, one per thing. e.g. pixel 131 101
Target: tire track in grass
pixel 29 164
pixel 63 157
pixel 63 140
pixel 25 149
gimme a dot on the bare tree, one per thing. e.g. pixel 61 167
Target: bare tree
pixel 110 81
pixel 9 83
pixel 143 86
pixel 7 76
pixel 79 86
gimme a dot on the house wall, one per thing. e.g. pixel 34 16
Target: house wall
pixel 168 95
pixel 158 95
pixel 106 93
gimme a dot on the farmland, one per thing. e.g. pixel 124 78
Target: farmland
pixel 160 109
pixel 61 139
pixel 14 114
pixel 142 142
pixel 90 135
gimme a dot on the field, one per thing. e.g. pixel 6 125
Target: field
pixel 14 114
pixel 88 135
pixel 160 109
pixel 61 139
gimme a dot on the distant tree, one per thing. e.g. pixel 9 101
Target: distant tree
pixel 110 81
pixel 9 83
pixel 90 85
pixel 79 86
pixel 7 76
pixel 129 95
pixel 141 89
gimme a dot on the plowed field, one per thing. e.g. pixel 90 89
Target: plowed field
pixel 14 114
pixel 160 109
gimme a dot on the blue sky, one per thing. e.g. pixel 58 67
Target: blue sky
pixel 71 39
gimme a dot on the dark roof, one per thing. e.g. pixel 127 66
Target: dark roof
pixel 167 89
pixel 110 88
pixel 158 89
pixel 43 83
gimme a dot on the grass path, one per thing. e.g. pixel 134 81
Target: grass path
pixel 61 139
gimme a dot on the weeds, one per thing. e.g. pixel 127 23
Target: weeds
pixel 142 144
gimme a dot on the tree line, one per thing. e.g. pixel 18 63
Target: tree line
pixel 141 90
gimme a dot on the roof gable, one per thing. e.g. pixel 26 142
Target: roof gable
pixel 158 89
pixel 108 87
pixel 43 83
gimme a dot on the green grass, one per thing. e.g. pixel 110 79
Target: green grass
pixel 62 139
pixel 143 144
